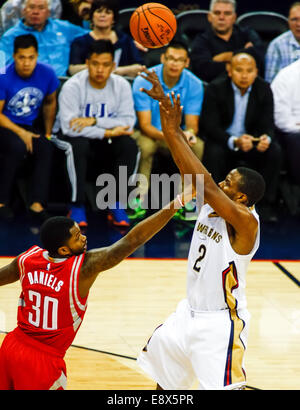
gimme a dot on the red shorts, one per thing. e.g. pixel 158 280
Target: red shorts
pixel 26 364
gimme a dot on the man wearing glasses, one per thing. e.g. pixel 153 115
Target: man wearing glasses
pixel 174 76
pixel 213 49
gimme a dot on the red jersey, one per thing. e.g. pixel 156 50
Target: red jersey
pixel 50 308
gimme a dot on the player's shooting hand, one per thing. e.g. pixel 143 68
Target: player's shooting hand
pixel 171 111
pixel 156 92
pixel 26 137
pixel 77 124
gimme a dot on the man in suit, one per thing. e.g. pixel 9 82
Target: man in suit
pixel 238 125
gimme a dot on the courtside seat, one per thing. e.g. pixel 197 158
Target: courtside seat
pixel 123 19
pixel 268 25
pixel 190 23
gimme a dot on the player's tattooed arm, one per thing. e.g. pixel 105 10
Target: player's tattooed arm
pixel 99 260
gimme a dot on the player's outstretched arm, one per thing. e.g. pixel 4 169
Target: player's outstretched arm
pixel 9 273
pixel 99 260
pixel 233 212
pixel 171 111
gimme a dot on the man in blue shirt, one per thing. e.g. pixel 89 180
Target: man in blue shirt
pixel 174 76
pixel 26 88
pixel 54 36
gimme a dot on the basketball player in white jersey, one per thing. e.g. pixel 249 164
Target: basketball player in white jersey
pixel 205 339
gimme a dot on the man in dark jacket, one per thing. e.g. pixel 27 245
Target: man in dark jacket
pixel 214 48
pixel 238 124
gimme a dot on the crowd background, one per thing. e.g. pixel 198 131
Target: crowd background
pixel 242 7
pixel 222 134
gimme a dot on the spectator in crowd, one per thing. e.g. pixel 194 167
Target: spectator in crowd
pixel 286 91
pixel 238 125
pixel 25 88
pixel 54 36
pixel 96 116
pixel 77 12
pixel 103 15
pixel 11 12
pixel 213 49
pixel 174 76
pixel 284 49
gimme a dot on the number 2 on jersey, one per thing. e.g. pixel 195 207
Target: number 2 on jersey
pixel 202 252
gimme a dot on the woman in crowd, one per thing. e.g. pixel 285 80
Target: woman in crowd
pixel 103 17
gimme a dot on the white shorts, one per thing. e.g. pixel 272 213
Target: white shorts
pixel 207 346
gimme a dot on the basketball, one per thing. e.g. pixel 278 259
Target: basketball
pixel 153 25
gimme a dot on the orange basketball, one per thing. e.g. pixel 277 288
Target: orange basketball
pixel 153 25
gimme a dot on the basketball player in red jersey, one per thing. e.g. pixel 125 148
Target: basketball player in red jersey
pixel 55 285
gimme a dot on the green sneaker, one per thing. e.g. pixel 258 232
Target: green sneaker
pixel 135 210
pixel 185 214
pixel 190 206
pixel 190 215
pixel 136 213
pixel 179 216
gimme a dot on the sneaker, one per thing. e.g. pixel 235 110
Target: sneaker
pixel 118 216
pixel 190 215
pixel 190 206
pixel 179 216
pixel 77 213
pixel 188 212
pixel 135 210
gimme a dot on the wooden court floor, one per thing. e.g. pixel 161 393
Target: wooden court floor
pixel 128 302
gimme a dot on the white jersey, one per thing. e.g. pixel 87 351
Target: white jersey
pixel 216 277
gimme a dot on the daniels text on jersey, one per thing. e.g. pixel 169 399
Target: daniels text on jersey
pixel 46 279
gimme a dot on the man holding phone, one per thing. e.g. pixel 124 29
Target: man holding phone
pixel 238 126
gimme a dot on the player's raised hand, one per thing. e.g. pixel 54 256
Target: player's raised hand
pixel 156 92
pixel 171 111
